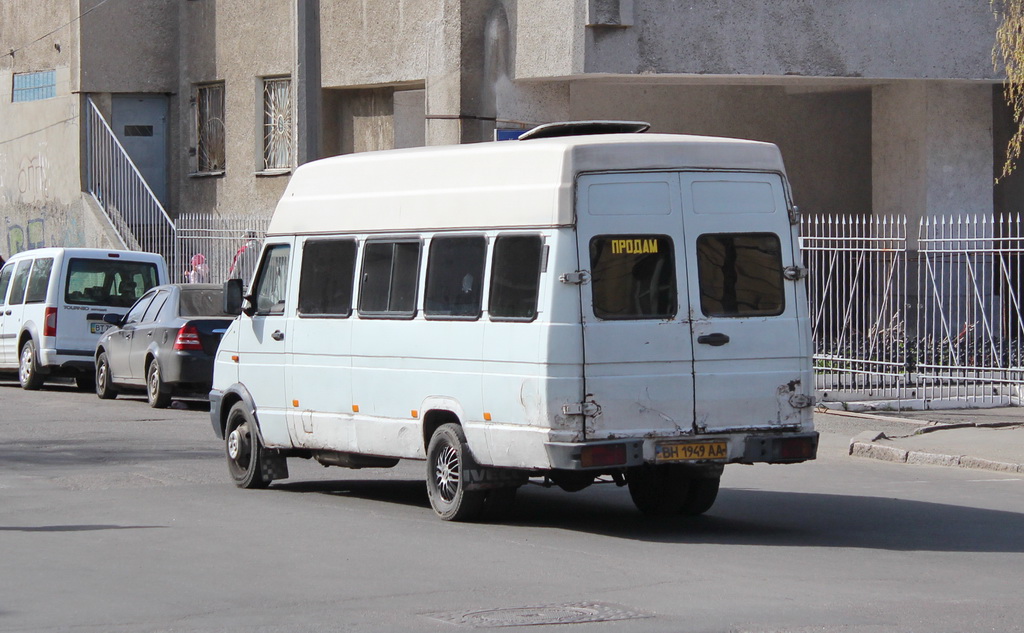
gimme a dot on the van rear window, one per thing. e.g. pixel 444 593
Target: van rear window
pixel 634 277
pixel 108 282
pixel 740 274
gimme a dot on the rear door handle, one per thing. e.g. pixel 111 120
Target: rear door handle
pixel 277 335
pixel 713 340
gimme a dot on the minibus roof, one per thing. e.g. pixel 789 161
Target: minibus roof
pixel 487 185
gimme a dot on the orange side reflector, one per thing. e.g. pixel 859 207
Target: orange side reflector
pixel 415 413
pixel 234 358
pixel 295 403
pixel 355 408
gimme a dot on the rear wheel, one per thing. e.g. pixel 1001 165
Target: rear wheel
pixel 244 450
pixel 85 382
pixel 448 459
pixel 658 490
pixel 701 496
pixel 104 387
pixel 158 393
pixel 29 374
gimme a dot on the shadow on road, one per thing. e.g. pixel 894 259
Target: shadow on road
pixel 740 517
pixel 78 528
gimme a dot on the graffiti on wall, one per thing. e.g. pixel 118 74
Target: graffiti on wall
pixel 32 235
pixel 33 179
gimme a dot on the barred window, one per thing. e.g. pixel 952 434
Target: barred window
pixel 34 86
pixel 210 128
pixel 277 123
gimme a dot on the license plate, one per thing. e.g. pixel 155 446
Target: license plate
pixel 98 328
pixel 690 451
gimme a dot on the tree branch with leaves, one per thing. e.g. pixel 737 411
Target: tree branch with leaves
pixel 1008 53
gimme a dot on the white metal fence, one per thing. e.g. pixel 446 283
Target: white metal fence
pixel 226 246
pixel 928 317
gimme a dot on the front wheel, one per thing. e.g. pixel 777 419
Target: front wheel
pixel 448 459
pixel 244 451
pixel 158 393
pixel 104 386
pixel 29 374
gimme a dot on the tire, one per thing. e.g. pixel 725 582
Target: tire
pixel 29 374
pixel 104 387
pixel 158 393
pixel 244 450
pixel 701 496
pixel 85 382
pixel 447 459
pixel 658 490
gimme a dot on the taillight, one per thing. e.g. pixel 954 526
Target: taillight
pixel 50 322
pixel 188 338
pixel 603 455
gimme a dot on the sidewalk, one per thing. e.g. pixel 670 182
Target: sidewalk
pixel 988 439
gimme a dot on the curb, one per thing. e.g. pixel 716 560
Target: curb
pixel 869 449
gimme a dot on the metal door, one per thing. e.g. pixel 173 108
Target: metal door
pixel 140 125
pixel 750 330
pixel 637 348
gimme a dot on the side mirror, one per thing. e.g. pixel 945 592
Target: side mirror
pixel 233 296
pixel 113 319
pixel 248 305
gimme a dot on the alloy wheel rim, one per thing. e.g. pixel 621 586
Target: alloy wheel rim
pixel 25 371
pixel 447 472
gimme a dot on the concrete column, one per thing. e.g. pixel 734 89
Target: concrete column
pixel 444 76
pixel 932 149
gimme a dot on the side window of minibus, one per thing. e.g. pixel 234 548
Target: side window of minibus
pixel 389 279
pixel 39 280
pixel 634 277
pixel 20 283
pixel 5 281
pixel 271 285
pixel 455 270
pixel 327 277
pixel 515 277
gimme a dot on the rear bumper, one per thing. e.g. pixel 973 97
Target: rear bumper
pixel 775 448
pixel 188 368
pixel 73 360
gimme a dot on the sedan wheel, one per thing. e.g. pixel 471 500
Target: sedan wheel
pixel 104 387
pixel 157 392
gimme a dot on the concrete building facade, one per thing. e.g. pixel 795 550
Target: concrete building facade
pixel 878 107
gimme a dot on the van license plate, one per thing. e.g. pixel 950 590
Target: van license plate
pixel 98 328
pixel 690 451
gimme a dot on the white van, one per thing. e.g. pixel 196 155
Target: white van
pixel 563 309
pixel 52 302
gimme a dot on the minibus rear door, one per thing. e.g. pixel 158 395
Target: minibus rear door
pixel 751 367
pixel 636 339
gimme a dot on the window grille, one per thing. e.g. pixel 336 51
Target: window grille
pixel 277 124
pixel 210 128
pixel 34 86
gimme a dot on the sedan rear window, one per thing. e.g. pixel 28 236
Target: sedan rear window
pixel 199 302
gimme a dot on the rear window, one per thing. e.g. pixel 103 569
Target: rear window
pixel 199 302
pixel 634 277
pixel 740 274
pixel 108 282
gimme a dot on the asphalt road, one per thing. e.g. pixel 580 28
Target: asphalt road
pixel 118 518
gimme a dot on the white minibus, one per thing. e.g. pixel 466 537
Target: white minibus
pixel 52 302
pixel 586 304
